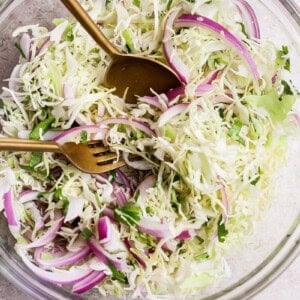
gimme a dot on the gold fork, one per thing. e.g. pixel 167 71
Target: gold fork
pixel 91 157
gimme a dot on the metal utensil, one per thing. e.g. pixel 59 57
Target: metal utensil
pixel 131 75
pixel 91 157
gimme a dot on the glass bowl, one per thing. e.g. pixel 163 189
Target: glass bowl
pixel 275 243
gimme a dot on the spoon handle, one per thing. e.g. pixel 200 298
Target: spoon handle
pixel 89 25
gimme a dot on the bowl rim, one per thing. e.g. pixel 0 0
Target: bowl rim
pixel 269 269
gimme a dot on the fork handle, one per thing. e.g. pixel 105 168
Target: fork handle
pixel 12 144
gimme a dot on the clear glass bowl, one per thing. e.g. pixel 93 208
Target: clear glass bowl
pixel 275 243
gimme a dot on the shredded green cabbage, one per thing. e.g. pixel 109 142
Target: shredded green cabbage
pixel 213 163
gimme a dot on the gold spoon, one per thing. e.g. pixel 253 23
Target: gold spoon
pixel 130 75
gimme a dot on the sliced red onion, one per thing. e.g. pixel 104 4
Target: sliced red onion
pixel 141 165
pixel 157 229
pixel 44 46
pixel 73 275
pixel 109 213
pixel 47 237
pixel 170 53
pixel 10 210
pixel 103 255
pixel 249 17
pixel 211 77
pixel 25 44
pixel 88 282
pixel 171 113
pixel 176 92
pixel 130 122
pixel 104 229
pixel 152 100
pixel 225 204
pixel 186 234
pixel 71 134
pixel 204 88
pixel 188 20
pixel 130 245
pixel 27 196
pixel 119 194
pixel 68 259
pixel 122 178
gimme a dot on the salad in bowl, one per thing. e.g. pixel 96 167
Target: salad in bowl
pixel 200 158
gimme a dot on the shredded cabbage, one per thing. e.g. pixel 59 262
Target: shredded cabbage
pixel 190 191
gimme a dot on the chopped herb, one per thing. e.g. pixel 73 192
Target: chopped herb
pixel 202 256
pixel 83 136
pixel 36 158
pixel 222 231
pixel 129 214
pixel 41 128
pixel 137 3
pixel 255 180
pixel 243 28
pixel 86 233
pixel 128 39
pixel 222 113
pixel 20 50
pixel 200 239
pixel 282 59
pixel 286 88
pixel 117 275
pixel 68 34
pixel 58 195
pixel 113 174
pixel 169 4
pixel 234 132
pixel 65 204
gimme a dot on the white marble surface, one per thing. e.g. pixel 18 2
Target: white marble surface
pixel 285 287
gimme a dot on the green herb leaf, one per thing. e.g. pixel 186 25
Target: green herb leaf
pixel 222 231
pixel 137 3
pixel 243 28
pixel 234 132
pixel 113 174
pixel 117 275
pixel 41 128
pixel 36 158
pixel 202 256
pixel 84 136
pixel 255 180
pixel 20 50
pixel 287 90
pixel 169 4
pixel 282 59
pixel 86 233
pixel 129 214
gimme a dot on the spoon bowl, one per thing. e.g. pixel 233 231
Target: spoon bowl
pixel 130 75
pixel 133 76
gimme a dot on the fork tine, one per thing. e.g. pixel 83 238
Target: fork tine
pixel 108 167
pixel 106 157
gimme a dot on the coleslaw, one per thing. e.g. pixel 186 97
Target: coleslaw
pixel 200 158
